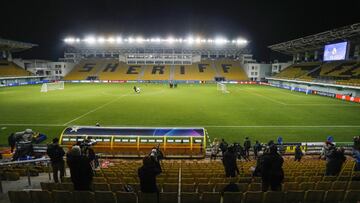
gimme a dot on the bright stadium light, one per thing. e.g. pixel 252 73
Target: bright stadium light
pixel 69 40
pixel 190 40
pixel 90 40
pixel 198 40
pixel 119 40
pixel 100 40
pixel 220 41
pixel 170 40
pixel 140 40
pixel 111 40
pixel 241 41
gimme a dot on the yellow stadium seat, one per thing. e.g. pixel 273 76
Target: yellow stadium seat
pixel 232 197
pixel 314 196
pixel 84 196
pixel 147 197
pixel 253 197
pixel 334 196
pixel 168 197
pixel 41 196
pixel 126 197
pixel 190 197
pixel 294 196
pixel 274 197
pixel 19 196
pixel 105 197
pixel 62 196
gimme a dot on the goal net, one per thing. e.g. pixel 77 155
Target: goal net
pixel 52 86
pixel 222 87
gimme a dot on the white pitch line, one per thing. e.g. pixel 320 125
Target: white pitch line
pixel 260 95
pixel 93 110
pixel 30 124
pixel 322 105
pixel 283 126
pixel 207 126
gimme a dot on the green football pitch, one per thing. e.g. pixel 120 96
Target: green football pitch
pixel 259 112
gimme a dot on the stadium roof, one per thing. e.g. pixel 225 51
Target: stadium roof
pixel 14 46
pixel 317 41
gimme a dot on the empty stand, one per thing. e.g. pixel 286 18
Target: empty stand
pixel 204 181
pixel 110 69
pixel 297 70
pixel 9 69
pixel 341 72
pixel 85 69
pixel 230 69
pixel 197 71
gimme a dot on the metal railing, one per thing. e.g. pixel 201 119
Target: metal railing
pixel 26 162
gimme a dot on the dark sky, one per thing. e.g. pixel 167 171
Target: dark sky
pixel 263 23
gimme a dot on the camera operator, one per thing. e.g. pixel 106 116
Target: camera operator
pixel 149 170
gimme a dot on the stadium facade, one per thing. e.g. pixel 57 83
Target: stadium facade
pixel 194 59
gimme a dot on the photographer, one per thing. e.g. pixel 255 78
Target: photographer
pixel 149 170
pixel 334 161
pixel 88 151
pixel 356 153
pixel 229 162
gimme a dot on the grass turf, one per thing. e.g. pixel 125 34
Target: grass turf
pixel 260 112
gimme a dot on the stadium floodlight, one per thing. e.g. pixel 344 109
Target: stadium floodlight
pixel 139 40
pixel 241 41
pixel 69 40
pixel 220 41
pixel 90 40
pixel 130 40
pixel 157 40
pixel 100 40
pixel 111 40
pixel 119 40
pixel 170 40
pixel 198 40
pixel 190 40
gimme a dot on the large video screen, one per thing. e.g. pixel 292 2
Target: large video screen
pixel 334 52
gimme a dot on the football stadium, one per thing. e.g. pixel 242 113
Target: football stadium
pixel 179 118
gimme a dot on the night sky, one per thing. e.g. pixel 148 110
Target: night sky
pixel 263 23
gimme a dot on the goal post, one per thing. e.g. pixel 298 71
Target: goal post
pixel 222 87
pixel 52 86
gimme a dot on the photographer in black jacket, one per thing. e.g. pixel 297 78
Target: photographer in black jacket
pixel 229 162
pixel 149 170
pixel 271 170
pixel 56 154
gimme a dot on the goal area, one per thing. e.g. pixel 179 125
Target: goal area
pixel 222 87
pixel 52 86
